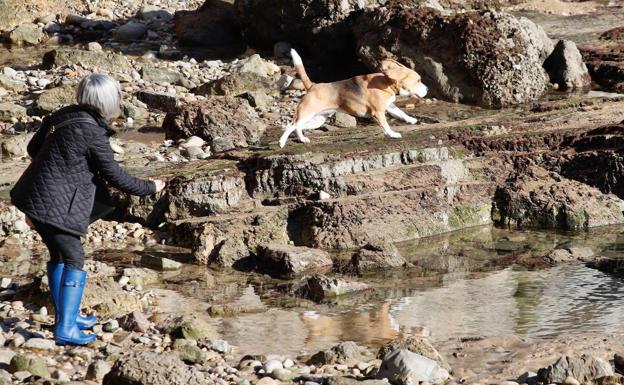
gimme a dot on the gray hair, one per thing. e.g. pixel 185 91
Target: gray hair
pixel 100 92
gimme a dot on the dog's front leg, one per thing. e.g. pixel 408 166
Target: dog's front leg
pixel 400 114
pixel 380 117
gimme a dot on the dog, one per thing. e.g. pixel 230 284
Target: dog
pixel 369 95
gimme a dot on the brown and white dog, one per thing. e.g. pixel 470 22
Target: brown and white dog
pixel 362 96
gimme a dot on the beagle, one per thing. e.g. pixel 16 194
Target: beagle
pixel 361 96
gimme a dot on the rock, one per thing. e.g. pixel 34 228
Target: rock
pixel 272 365
pixel 159 263
pixel 158 100
pixel 130 31
pixel 40 344
pixel 404 367
pixel 528 378
pixel 154 13
pixel 258 99
pixel 140 276
pixel 111 326
pixel 323 196
pixel 337 380
pixel 160 75
pixel 256 65
pixel 290 261
pixel 189 327
pixel 9 111
pixel 267 381
pixel 97 370
pixel 344 120
pixel 195 153
pixel 235 84
pixel 618 362
pixel 566 68
pixel 378 255
pixel 604 61
pixel 418 345
pixel 320 288
pixel 94 46
pixel 214 119
pixel 6 355
pixel 213 25
pixel 283 375
pixel 584 369
pixel 29 363
pixel 26 34
pixel 55 98
pixel 193 141
pixel 571 381
pixel 345 353
pixel 9 84
pixel 534 197
pixel 488 58
pixel 284 82
pixel 191 353
pixel 15 146
pixel 152 368
pixel 537 37
pixel 135 321
pixel 113 64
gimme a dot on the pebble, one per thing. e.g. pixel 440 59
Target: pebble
pixel 40 343
pixel 283 375
pixel 22 375
pixel 94 46
pixel 571 381
pixel 288 363
pixel 110 326
pixel 272 365
pixel 266 381
pixel 5 283
pixel 324 196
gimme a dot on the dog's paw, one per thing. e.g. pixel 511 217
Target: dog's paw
pixel 282 143
pixel 305 140
pixel 411 120
pixel 395 135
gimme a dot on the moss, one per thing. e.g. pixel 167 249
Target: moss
pixel 467 216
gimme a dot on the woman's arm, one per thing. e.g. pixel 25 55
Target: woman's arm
pixel 37 140
pixel 101 154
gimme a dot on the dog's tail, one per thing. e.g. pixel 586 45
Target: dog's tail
pixel 307 83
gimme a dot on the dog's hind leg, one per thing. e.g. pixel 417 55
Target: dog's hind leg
pixel 311 123
pixel 400 114
pixel 287 131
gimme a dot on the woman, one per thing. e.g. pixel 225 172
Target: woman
pixel 71 156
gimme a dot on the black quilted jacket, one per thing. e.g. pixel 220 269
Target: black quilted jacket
pixel 58 187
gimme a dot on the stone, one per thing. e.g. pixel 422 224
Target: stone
pixel 337 380
pixel 272 365
pixel 283 83
pixel 193 141
pixel 618 362
pixel 29 363
pixel 571 381
pixel 191 354
pixel 404 367
pixel 26 34
pixel 111 63
pixel 323 195
pixel 187 326
pixel 320 288
pixel 55 98
pixel 456 54
pixel 135 321
pixel 215 119
pixel 154 13
pixel 283 375
pixel 7 83
pixel 346 353
pixel 418 345
pixel 160 75
pixel 584 369
pixel 344 120
pixel 289 261
pixel 9 111
pixel 213 25
pixel 377 255
pixel 267 381
pixel 258 99
pixel 535 197
pixel 220 346
pixel 110 326
pixel 6 355
pixel 254 64
pixel 160 263
pixel 236 84
pixel 40 344
pixel 97 370
pixel 195 153
pixel 140 276
pixel 15 146
pixel 94 46
pixel 158 100
pixel 153 368
pixel 130 31
pixel 566 68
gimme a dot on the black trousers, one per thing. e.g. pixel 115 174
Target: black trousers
pixel 64 247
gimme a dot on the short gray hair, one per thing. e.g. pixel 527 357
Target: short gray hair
pixel 100 92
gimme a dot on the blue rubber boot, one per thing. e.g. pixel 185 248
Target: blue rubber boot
pixel 55 276
pixel 67 331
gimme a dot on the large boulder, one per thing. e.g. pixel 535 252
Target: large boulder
pixel 55 98
pixel 566 68
pixel 211 25
pixel 403 367
pixel 224 122
pixel 26 34
pixel 153 368
pixel 376 256
pixel 289 261
pixel 584 369
pixel 111 63
pixel 486 58
pixel 535 197
pixel 235 84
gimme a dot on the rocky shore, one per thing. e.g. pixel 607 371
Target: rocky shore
pixel 522 129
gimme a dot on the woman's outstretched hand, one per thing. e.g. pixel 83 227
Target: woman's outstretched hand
pixel 160 185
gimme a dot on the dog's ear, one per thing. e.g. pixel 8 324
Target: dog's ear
pixel 395 74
